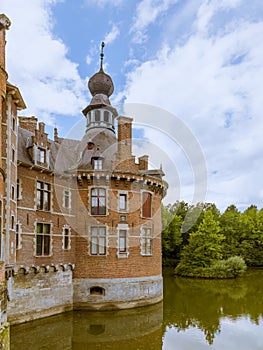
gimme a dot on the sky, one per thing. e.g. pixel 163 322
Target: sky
pixel 189 72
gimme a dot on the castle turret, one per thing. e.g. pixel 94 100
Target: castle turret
pixel 99 112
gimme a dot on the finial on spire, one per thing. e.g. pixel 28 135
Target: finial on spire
pixel 101 55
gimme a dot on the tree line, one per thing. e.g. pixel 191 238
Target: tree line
pixel 199 235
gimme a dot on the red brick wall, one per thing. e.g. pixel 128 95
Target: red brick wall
pixel 28 123
pixel 110 266
pixel 80 220
pixel 28 216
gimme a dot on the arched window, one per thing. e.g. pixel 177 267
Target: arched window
pixel 106 116
pixel 97 116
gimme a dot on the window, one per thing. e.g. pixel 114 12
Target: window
pixel 12 222
pixel 18 236
pixel 146 241
pixel 13 192
pixel 98 201
pixel 146 205
pixel 66 238
pixel 97 163
pixel 67 199
pixel 122 241
pixel 97 116
pixel 43 196
pixel 18 189
pixel 13 155
pixel 90 145
pixel 122 201
pixel 41 155
pixel 106 116
pixel 43 240
pixel 98 240
pixel 14 124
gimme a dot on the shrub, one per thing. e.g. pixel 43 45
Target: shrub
pixel 236 265
pixel 230 268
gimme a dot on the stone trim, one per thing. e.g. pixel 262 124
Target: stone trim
pixel 42 268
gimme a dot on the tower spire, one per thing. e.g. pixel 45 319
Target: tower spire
pixel 101 55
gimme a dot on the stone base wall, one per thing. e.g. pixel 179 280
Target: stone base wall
pixel 34 296
pixel 37 295
pixel 117 293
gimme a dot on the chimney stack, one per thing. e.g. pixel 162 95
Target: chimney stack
pixel 4 25
pixel 28 123
pixel 124 138
pixel 143 162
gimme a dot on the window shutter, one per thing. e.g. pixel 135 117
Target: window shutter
pixel 147 205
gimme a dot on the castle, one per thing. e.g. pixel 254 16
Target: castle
pixel 80 220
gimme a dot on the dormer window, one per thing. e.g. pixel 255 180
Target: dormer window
pixel 97 163
pixel 41 155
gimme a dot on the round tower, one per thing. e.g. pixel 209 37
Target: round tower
pixel 117 211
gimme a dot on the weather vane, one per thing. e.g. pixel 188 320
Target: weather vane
pixel 101 54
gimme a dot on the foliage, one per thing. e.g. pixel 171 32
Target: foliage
pixel 204 239
pixel 230 268
pixel 205 245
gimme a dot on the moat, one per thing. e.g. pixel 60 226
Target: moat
pixel 195 314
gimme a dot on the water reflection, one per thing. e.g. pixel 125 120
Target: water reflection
pixel 196 314
pixel 129 329
pixel 211 305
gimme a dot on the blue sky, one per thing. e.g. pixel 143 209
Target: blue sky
pixel 200 61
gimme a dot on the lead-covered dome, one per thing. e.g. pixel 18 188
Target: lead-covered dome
pixel 101 83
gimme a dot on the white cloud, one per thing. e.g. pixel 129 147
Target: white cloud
pixel 88 59
pixel 147 11
pixel 213 82
pixel 37 61
pixel 103 3
pixel 209 8
pixel 112 35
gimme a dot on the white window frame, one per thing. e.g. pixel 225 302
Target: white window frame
pixel 126 194
pixel 95 240
pixel 19 189
pixel 41 155
pixel 98 164
pixel 146 240
pixel 120 252
pixel 50 239
pixel 142 204
pixel 106 200
pixel 19 234
pixel 68 228
pixel 69 198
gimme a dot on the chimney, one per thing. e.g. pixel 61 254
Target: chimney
pixel 41 127
pixel 56 135
pixel 124 138
pixel 143 162
pixel 4 25
pixel 28 123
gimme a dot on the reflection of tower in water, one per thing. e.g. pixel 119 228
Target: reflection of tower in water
pixel 126 329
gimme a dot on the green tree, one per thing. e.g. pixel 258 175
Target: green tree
pixel 231 228
pixel 172 239
pixel 205 245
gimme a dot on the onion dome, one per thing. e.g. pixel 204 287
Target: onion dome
pixel 101 83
